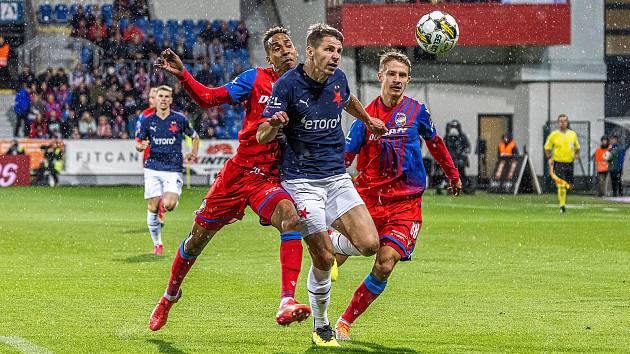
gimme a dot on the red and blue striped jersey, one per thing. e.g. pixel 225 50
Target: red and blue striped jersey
pixel 253 88
pixel 391 165
pixel 147 112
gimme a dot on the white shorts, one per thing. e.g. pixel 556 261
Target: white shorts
pixel 324 200
pixel 156 183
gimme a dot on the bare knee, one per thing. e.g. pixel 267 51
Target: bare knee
pixel 285 217
pixel 383 267
pixel 170 205
pixel 369 247
pixel 197 241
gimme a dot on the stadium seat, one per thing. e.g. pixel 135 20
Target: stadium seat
pixel 74 8
pixel 156 28
pixel 123 24
pixel 107 11
pixel 142 23
pixel 61 13
pixel 188 25
pixel 216 25
pixel 88 9
pixel 229 54
pixel 45 13
pixel 201 26
pixel 232 24
pixel 172 27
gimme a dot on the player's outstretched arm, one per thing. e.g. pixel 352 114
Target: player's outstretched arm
pixel 205 97
pixel 268 130
pixel 440 153
pixel 356 109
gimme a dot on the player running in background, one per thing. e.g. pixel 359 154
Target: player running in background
pixel 249 178
pixel 307 102
pixel 391 178
pixel 162 132
pixel 147 112
pixel 562 148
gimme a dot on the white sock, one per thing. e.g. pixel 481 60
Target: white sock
pixel 284 300
pixel 154 228
pixel 342 245
pixel 318 286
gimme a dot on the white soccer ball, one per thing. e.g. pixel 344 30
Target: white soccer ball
pixel 607 156
pixel 437 32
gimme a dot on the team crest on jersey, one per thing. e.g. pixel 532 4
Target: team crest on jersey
pixel 400 119
pixel 173 127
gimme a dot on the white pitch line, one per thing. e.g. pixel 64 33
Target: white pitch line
pixel 23 345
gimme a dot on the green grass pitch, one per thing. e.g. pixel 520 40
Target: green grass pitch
pixel 490 274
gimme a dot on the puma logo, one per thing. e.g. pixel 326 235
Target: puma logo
pixel 305 102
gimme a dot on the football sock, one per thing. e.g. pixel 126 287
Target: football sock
pixel 365 294
pixel 154 228
pixel 290 261
pixel 562 195
pixel 318 286
pixel 181 265
pixel 342 245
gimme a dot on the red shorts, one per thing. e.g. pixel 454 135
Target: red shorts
pixel 398 223
pixel 234 189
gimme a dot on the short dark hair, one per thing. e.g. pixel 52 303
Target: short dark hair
pixel 562 115
pixel 392 55
pixel 318 31
pixel 272 32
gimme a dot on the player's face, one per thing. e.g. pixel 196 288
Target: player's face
pixel 563 123
pixel 164 99
pixel 152 98
pixel 327 55
pixel 282 54
pixel 394 78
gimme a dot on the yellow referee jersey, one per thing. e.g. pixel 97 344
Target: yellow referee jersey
pixel 563 145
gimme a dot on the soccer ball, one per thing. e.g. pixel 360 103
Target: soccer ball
pixel 437 32
pixel 607 155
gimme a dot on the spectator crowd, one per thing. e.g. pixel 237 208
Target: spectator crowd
pixel 104 102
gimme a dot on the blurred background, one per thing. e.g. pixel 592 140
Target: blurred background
pixel 75 75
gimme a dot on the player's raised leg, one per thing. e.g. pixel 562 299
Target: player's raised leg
pixel 185 257
pixel 371 287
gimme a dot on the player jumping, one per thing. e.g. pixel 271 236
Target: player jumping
pixel 249 178
pixel 391 178
pixel 162 133
pixel 307 103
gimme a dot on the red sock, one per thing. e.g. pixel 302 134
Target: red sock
pixel 363 297
pixel 179 269
pixel 290 261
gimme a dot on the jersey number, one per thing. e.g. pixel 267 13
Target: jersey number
pixel 8 174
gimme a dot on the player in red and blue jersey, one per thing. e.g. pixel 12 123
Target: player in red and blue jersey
pixel 162 133
pixel 147 112
pixel 249 178
pixel 392 178
pixel 307 104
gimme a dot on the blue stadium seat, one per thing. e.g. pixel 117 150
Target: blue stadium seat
pixel 88 9
pixel 107 11
pixel 229 54
pixel 45 13
pixel 86 55
pixel 142 23
pixel 172 27
pixel 156 27
pixel 123 24
pixel 216 25
pixel 188 25
pixel 232 24
pixel 74 8
pixel 61 13
pixel 201 26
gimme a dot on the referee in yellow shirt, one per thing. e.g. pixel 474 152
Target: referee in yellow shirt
pixel 562 148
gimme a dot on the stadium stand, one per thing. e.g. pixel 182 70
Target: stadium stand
pixel 104 100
